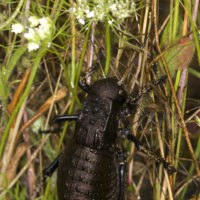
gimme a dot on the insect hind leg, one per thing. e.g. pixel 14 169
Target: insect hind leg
pixel 121 157
pixel 52 167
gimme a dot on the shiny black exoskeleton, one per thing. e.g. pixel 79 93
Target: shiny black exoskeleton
pixel 93 165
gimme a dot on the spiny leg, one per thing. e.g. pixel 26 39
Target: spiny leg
pixel 128 134
pixel 147 88
pixel 127 110
pixel 131 102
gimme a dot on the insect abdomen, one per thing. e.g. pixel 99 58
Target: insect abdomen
pixel 87 174
pixel 89 169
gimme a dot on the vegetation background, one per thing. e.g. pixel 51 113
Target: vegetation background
pixel 44 47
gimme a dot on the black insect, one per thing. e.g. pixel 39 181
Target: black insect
pixel 93 166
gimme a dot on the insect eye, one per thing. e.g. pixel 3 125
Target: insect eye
pixel 119 83
pixel 121 92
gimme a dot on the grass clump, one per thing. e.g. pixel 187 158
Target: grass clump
pixel 44 47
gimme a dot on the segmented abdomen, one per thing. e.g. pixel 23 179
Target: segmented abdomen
pixel 86 174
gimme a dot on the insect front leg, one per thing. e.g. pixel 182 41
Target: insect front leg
pixel 83 83
pixel 146 89
pixel 83 78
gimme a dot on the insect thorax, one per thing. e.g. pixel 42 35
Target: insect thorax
pixel 97 124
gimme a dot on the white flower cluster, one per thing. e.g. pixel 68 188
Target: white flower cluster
pixel 17 28
pixel 97 10
pixel 40 31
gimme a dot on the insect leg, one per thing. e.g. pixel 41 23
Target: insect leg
pixel 146 89
pixel 83 84
pixel 122 173
pixel 131 102
pixel 58 119
pixel 83 78
pixel 52 167
pixel 65 118
pixel 127 133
